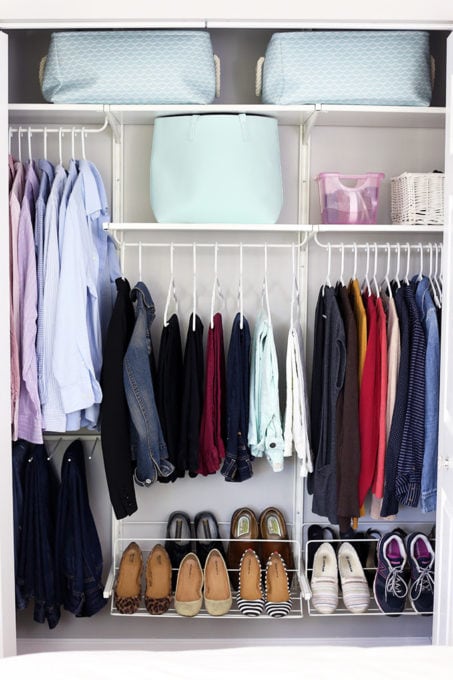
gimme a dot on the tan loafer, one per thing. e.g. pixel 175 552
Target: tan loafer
pixel 188 593
pixel 217 591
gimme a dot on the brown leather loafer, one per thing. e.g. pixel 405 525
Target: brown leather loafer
pixel 158 581
pixel 274 530
pixel 243 526
pixel 127 590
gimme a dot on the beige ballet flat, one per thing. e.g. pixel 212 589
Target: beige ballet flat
pixel 217 590
pixel 188 596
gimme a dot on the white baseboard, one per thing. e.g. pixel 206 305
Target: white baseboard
pixel 35 645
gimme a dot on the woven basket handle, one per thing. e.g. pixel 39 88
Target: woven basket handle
pixel 42 66
pixel 217 75
pixel 259 77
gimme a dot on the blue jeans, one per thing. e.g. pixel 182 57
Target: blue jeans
pixel 237 466
pixel 36 571
pixel 428 316
pixel 20 455
pixel 148 446
pixel 78 550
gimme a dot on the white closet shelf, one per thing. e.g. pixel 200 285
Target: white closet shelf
pixel 56 114
pixel 326 114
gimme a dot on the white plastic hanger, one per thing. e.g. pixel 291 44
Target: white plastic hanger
pixel 171 288
pixel 240 290
pixel 140 261
pixel 265 289
pixel 398 262
pixel 82 140
pixel 329 265
pixel 430 277
pixel 45 142
pixel 73 143
pixel 30 155
pixel 408 263
pixel 376 285
pixel 342 265
pixel 387 272
pixel 354 275
pixel 367 284
pixel 194 287
pixel 10 139
pixel 295 296
pixel 19 144
pixel 420 273
pixel 216 289
pixel 60 146
pixel 436 275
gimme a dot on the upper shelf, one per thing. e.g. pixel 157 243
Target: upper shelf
pixel 324 114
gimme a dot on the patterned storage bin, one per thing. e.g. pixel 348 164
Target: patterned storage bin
pixel 418 198
pixel 130 67
pixel 388 68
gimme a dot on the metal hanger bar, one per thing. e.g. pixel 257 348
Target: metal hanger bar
pixel 364 246
pixel 71 437
pixel 144 244
pixel 77 130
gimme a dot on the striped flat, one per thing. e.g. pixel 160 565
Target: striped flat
pixel 277 592
pixel 356 593
pixel 324 580
pixel 250 600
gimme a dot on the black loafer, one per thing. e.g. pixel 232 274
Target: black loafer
pixel 179 540
pixel 208 535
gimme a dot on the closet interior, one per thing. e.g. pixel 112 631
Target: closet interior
pixel 185 267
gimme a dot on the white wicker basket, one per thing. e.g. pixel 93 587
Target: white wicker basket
pixel 418 198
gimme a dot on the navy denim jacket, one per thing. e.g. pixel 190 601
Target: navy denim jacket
pixel 148 446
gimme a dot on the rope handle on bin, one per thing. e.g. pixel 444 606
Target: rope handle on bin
pixel 259 77
pixel 217 75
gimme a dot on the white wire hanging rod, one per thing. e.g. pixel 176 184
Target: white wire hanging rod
pixel 69 130
pixel 145 244
pixel 381 246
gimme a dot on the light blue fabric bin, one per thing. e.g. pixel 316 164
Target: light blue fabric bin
pixel 380 68
pixel 129 67
pixel 216 168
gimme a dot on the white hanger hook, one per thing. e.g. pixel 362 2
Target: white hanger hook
pixel 329 264
pixel 354 275
pixel 73 143
pixel 82 139
pixel 387 271
pixel 19 143
pixel 10 139
pixel 60 145
pixel 408 263
pixel 140 261
pixel 194 290
pixel 30 156
pixel 398 262
pixel 420 275
pixel 430 246
pixel 342 265
pixel 241 292
pixel 45 142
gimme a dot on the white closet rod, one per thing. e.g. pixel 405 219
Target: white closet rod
pixel 45 130
pixel 381 246
pixel 145 244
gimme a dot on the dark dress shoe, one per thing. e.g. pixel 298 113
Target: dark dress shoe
pixel 243 535
pixel 207 532
pixel 273 529
pixel 180 544
pixel 318 535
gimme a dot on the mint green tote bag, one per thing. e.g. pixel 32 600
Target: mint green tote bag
pixel 216 168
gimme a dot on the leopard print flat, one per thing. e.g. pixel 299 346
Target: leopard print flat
pixel 158 581
pixel 128 589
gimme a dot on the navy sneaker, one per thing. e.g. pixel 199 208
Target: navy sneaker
pixel 421 560
pixel 390 587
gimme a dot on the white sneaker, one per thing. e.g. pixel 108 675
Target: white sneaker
pixel 356 594
pixel 324 580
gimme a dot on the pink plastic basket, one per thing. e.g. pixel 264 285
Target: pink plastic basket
pixel 349 199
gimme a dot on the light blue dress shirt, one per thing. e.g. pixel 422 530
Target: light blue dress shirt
pixel 265 436
pixel 53 414
pixel 77 359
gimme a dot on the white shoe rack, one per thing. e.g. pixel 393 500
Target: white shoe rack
pixel 148 534
pixel 382 526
